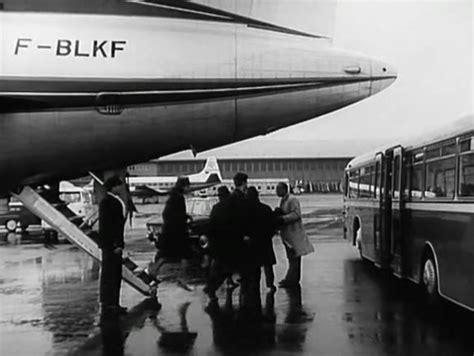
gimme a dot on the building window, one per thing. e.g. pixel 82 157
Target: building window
pixel 256 166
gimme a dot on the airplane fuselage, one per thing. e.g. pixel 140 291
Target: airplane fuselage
pixel 86 92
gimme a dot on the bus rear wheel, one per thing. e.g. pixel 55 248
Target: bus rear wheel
pixel 429 279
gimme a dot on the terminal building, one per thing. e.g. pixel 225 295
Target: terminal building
pixel 309 166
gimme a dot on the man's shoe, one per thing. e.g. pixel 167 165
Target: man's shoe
pixel 114 309
pixel 288 284
pixel 212 295
pixel 121 310
pixel 230 284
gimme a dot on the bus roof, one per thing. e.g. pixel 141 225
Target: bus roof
pixel 457 127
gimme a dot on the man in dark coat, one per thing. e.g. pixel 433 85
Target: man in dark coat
pixel 112 215
pixel 247 262
pixel 229 225
pixel 263 228
pixel 218 232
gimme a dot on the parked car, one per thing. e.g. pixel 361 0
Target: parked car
pixel 18 216
pixel 199 208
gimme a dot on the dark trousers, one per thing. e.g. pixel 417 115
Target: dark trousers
pixel 269 275
pixel 293 274
pixel 110 278
pixel 250 289
pixel 218 273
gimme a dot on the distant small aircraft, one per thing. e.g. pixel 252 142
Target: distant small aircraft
pixel 147 187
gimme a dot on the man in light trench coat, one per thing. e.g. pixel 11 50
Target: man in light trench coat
pixel 293 235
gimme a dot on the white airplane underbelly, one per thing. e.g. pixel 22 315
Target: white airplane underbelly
pixel 98 92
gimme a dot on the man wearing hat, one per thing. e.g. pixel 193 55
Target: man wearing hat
pixel 112 215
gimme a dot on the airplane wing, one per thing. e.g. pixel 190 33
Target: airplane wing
pixel 233 11
pixel 143 191
pixel 316 17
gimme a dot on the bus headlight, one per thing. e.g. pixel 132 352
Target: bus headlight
pixel 203 241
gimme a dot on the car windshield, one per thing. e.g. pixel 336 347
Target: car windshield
pixel 71 197
pixel 201 207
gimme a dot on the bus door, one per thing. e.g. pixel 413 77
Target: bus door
pixel 396 235
pixel 384 255
pixel 380 212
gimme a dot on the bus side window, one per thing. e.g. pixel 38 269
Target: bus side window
pixel 416 181
pixel 377 180
pixel 396 178
pixel 466 175
pixel 346 185
pixel 440 178
pixel 366 182
pixel 354 184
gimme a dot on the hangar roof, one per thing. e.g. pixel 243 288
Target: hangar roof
pixel 267 149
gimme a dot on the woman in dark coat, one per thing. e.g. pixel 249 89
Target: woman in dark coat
pixel 173 244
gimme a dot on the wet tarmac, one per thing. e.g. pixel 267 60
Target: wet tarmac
pixel 49 306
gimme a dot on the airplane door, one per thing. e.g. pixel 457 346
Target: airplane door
pixel 396 236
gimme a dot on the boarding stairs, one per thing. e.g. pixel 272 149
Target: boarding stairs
pixel 78 231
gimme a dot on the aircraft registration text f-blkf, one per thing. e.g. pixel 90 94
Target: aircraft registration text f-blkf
pixel 93 85
pixel 76 48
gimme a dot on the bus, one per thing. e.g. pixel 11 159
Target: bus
pixel 409 208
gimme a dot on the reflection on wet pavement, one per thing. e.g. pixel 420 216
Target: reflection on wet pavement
pixel 49 306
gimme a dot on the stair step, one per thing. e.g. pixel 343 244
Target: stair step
pixel 38 205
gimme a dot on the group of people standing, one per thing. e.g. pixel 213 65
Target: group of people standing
pixel 241 233
pixel 240 240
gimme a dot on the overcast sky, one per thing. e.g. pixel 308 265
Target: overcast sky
pixel 431 45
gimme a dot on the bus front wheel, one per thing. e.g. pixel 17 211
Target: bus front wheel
pixel 429 278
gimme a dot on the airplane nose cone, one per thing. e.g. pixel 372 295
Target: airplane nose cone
pixel 383 75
